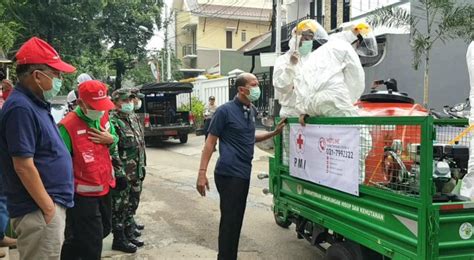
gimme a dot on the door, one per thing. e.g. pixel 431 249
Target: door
pixel 228 39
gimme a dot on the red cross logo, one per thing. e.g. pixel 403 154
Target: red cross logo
pixel 300 142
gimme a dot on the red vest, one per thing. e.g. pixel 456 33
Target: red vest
pixel 93 171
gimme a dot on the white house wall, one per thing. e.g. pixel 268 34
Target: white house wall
pixel 203 89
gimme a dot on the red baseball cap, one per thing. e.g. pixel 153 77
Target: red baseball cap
pixel 94 94
pixel 37 51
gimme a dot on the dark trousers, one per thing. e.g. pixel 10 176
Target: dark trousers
pixel 87 223
pixel 233 193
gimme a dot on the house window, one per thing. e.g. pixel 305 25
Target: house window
pixel 228 39
pixel 244 36
pixel 333 14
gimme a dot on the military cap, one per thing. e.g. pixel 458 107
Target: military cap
pixel 137 93
pixel 122 93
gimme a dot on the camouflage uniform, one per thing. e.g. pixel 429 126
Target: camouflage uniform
pixel 138 128
pixel 129 162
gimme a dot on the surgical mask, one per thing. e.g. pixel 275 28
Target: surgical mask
pixel 306 47
pixel 138 105
pixel 127 107
pixel 254 94
pixel 56 87
pixel 94 114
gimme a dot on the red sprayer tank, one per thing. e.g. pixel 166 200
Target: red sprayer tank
pixel 387 103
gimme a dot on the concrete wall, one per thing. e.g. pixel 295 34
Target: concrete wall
pixel 449 79
pixel 183 36
pixel 207 58
pixel 297 9
pixel 203 89
pixel 327 13
pixel 212 33
pixel 231 60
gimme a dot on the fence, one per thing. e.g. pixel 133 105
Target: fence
pixel 266 98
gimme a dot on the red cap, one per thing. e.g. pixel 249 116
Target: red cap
pixel 94 94
pixel 37 51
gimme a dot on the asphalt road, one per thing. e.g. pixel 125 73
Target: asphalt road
pixel 180 224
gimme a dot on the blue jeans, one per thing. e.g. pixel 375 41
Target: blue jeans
pixel 3 216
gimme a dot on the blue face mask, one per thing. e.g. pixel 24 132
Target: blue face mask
pixel 254 94
pixel 127 107
pixel 56 87
pixel 306 47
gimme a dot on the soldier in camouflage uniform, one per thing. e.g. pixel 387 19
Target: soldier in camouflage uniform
pixel 139 127
pixel 129 164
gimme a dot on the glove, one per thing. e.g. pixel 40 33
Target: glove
pixel 121 183
pixel 294 58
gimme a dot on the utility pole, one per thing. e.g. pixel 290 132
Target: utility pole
pixel 166 40
pixel 167 44
pixel 278 28
pixel 162 67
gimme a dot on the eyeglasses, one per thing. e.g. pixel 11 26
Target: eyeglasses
pixel 56 74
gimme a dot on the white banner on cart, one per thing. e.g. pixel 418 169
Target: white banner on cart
pixel 326 155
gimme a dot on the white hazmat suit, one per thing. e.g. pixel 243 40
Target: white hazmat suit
pixel 467 186
pixel 339 83
pixel 284 74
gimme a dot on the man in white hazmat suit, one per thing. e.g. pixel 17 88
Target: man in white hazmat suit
pixel 288 65
pixel 467 185
pixel 333 79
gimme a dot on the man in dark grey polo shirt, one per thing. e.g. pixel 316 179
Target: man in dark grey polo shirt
pixel 234 125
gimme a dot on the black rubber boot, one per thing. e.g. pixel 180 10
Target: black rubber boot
pixel 136 232
pixel 121 243
pixel 139 226
pixel 129 233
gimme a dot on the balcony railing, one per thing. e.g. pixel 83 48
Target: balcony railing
pixel 189 50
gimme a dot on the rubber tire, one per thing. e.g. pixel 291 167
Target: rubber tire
pixel 357 250
pixel 339 251
pixel 361 252
pixel 280 222
pixel 183 138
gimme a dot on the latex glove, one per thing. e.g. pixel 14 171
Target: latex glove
pixel 294 58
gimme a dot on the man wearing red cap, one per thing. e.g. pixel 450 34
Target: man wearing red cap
pixel 88 135
pixel 36 165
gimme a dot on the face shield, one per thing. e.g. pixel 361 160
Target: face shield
pixel 306 27
pixel 366 44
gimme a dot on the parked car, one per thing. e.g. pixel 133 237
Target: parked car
pixel 162 115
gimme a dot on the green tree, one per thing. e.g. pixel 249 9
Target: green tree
pixel 8 30
pixel 120 24
pixel 197 108
pixel 70 26
pixel 444 20
pixel 141 73
pixel 175 65
pixel 96 36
